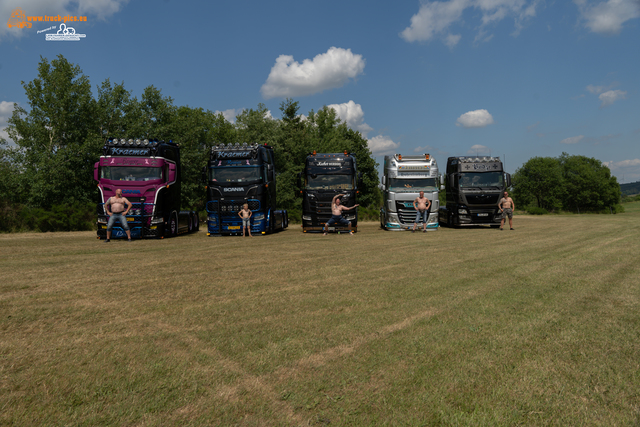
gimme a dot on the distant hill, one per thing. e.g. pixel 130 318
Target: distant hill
pixel 630 189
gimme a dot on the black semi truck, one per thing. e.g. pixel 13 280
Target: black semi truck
pixel 474 187
pixel 324 176
pixel 239 174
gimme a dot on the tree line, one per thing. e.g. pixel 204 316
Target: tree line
pixel 49 169
pixel 569 182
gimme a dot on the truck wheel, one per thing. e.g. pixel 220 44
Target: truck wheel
pixel 196 218
pixel 173 225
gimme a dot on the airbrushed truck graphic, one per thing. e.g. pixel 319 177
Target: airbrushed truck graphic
pixel 474 188
pixel 149 174
pixel 326 175
pixel 403 179
pixel 239 174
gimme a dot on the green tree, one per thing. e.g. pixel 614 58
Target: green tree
pixel 589 185
pixel 57 139
pixel 539 182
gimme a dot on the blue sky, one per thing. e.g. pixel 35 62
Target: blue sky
pixel 512 78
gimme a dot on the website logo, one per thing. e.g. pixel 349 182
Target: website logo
pixel 65 34
pixel 18 19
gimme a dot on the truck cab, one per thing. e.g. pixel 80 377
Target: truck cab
pixel 474 187
pixel 148 173
pixel 239 174
pixel 326 175
pixel 404 177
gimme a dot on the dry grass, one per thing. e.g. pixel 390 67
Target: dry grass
pixel 537 326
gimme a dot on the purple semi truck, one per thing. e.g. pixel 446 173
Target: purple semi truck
pixel 149 175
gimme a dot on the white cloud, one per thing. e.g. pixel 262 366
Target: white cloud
pixel 92 9
pixel 607 17
pixel 230 114
pixel 352 114
pixel 434 19
pixel 572 140
pixel 6 110
pixel 475 119
pixel 329 70
pixel 599 89
pixel 622 164
pixel 478 150
pixel 611 96
pixel 380 145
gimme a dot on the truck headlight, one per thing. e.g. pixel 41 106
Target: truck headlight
pixel 157 221
pixel 462 211
pixel 258 217
pixel 306 217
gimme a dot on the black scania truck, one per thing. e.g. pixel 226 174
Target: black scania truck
pixel 324 176
pixel 474 187
pixel 239 174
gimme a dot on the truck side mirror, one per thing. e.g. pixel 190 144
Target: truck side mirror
pixel 441 187
pixel 96 170
pixel 172 172
pixel 451 180
pixel 383 180
pixel 508 180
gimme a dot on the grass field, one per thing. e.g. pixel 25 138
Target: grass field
pixel 537 326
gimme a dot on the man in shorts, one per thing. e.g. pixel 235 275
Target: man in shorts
pixel 336 214
pixel 117 208
pixel 245 213
pixel 422 205
pixel 506 206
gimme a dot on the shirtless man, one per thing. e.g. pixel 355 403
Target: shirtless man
pixel 116 210
pixel 506 206
pixel 245 213
pixel 422 205
pixel 336 211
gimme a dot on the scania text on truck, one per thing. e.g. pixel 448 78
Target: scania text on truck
pixel 149 174
pixel 404 177
pixel 239 174
pixel 474 187
pixel 326 175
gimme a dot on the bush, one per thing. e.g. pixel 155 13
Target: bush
pixel 72 217
pixel 534 210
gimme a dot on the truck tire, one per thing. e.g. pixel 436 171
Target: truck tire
pixel 197 221
pixel 173 225
pixel 190 223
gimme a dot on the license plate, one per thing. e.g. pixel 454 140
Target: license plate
pixel 483 214
pixel 130 219
pixel 234 227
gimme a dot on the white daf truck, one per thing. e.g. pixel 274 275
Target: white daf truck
pixel 403 180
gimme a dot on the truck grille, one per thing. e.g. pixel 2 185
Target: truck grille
pixel 231 207
pixel 482 199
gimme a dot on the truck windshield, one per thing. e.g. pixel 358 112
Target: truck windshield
pixel 481 179
pixel 329 182
pixel 235 173
pixel 413 184
pixel 130 173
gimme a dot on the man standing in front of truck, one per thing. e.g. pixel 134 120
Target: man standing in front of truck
pixel 336 214
pixel 421 204
pixel 506 206
pixel 117 208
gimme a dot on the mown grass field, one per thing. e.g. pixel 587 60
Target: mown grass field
pixel 537 326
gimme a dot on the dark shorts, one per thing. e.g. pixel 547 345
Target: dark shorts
pixel 337 219
pixel 507 213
